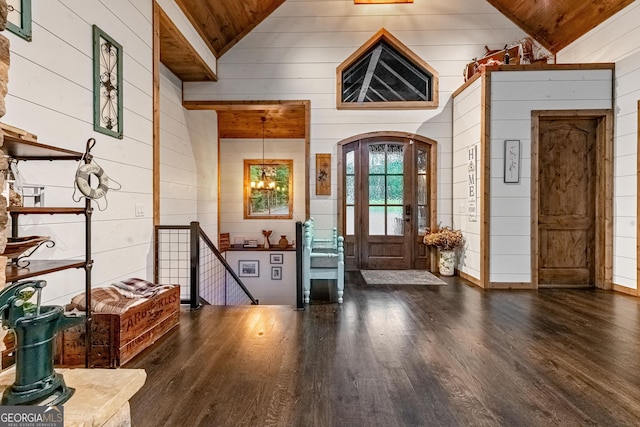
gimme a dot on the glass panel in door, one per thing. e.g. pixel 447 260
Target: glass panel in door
pixel 385 245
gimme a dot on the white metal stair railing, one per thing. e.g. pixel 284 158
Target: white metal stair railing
pixel 329 250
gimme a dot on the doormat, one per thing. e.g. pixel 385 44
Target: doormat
pixel 400 277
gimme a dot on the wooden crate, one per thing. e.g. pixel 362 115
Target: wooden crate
pixel 117 338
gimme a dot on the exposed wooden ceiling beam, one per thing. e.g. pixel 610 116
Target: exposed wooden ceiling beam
pixel 177 54
pixel 242 119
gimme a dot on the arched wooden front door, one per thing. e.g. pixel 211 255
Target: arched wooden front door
pixel 387 200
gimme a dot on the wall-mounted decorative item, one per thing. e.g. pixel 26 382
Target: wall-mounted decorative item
pixel 276 273
pixel 268 189
pixel 248 268
pixel 107 84
pixel 512 161
pixel 472 195
pixel 19 18
pixel 323 174
pixel 276 259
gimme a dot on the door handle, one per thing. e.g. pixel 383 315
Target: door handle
pixel 407 213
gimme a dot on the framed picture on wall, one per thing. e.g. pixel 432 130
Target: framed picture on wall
pixel 276 273
pixel 248 268
pixel 19 18
pixel 323 171
pixel 512 161
pixel 276 259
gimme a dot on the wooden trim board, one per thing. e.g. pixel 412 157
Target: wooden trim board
pixel 156 114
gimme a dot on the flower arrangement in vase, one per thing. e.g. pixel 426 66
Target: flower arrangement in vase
pixel 447 240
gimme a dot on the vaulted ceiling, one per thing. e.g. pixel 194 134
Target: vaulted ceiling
pixel 557 23
pixel 222 23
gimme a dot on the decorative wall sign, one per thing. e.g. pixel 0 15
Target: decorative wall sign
pixel 512 161
pixel 473 183
pixel 323 174
pixel 19 18
pixel 107 84
pixel 249 268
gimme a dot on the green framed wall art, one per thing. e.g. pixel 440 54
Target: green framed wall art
pixel 107 84
pixel 19 18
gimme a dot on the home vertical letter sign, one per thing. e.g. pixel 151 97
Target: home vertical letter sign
pixel 107 84
pixel 472 183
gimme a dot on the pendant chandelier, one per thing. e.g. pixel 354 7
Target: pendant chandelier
pixel 264 182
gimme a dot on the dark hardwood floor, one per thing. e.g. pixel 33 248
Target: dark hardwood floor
pixel 401 356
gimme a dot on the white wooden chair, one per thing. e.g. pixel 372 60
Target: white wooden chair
pixel 322 249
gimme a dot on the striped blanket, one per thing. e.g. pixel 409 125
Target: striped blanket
pixel 117 298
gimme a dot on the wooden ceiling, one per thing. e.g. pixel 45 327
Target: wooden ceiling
pixel 242 119
pixel 177 54
pixel 557 23
pixel 222 23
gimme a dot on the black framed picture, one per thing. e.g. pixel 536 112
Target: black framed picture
pixel 276 273
pixel 276 259
pixel 249 268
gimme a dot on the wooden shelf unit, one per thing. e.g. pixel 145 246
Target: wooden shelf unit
pixel 21 210
pixel 39 267
pixel 21 148
pixel 21 145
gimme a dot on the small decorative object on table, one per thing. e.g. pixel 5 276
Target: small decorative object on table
pixel 447 240
pixel 283 242
pixel 267 234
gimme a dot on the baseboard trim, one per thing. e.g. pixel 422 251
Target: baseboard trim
pixel 469 278
pixel 625 290
pixel 511 285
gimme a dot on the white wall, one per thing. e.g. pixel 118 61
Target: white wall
pixel 233 152
pixel 188 160
pixel 513 96
pixel 467 118
pixel 616 40
pixel 265 290
pixel 51 95
pixel 293 54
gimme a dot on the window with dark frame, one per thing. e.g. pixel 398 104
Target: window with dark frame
pixel 385 74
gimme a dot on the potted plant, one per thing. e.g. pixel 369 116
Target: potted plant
pixel 447 240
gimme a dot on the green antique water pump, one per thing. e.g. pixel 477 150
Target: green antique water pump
pixel 35 327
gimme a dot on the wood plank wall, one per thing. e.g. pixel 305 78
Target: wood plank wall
pixel 467 128
pixel 617 40
pixel 514 95
pixel 50 95
pixel 293 54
